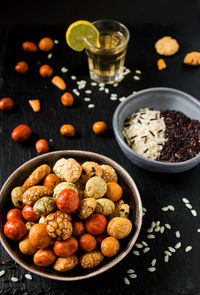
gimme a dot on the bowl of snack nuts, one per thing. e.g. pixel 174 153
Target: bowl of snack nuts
pixel 158 129
pixel 69 215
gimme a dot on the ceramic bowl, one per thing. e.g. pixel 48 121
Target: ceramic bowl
pixel 130 193
pixel 156 98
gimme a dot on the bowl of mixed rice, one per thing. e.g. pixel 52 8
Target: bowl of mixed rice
pixel 158 129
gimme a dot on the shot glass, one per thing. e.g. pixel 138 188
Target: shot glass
pixel 106 59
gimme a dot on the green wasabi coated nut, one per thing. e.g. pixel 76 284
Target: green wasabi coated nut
pixel 63 185
pixel 44 206
pixel 16 196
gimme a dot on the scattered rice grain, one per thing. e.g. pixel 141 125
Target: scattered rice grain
pixel 178 245
pixel 76 92
pixel 171 249
pixel 189 206
pixel 130 270
pixel 146 250
pixel 150 237
pixel 87 99
pixel 135 77
pixel 168 253
pixel 137 253
pixel 162 229
pixel 14 279
pixel 106 90
pixel 186 201
pixel 178 235
pixel 167 226
pixel 101 88
pixel 94 83
pixel 157 229
pixel 153 224
pixel 150 230
pixel 115 84
pixel 91 106
pixel 157 223
pixel 194 212
pixel 138 245
pixel 64 70
pixel 2 272
pixel 113 98
pixel 198 230
pixel 88 91
pixel 188 248
pixel 166 258
pixel 122 98
pixel 151 269
pixel 170 207
pixel 49 55
pixel 28 276
pixel 165 209
pixel 56 41
pixel 73 77
pixel 126 281
pixel 138 72
pixel 144 243
pixel 133 276
pixel 153 262
pixel 101 84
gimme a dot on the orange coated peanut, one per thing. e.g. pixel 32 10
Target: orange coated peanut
pixel 67 130
pixel 67 99
pixel 21 133
pixel 21 67
pixel 42 146
pixel 51 180
pixel 46 44
pixel 114 191
pixel 59 82
pixel 45 71
pixel 99 127
pixel 29 46
pixel 6 104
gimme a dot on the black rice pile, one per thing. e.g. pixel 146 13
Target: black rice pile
pixel 183 136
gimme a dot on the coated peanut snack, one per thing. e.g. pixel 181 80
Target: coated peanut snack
pixel 166 46
pixel 69 214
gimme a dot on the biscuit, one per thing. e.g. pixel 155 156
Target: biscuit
pixel 166 46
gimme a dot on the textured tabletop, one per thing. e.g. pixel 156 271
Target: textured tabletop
pixel 179 275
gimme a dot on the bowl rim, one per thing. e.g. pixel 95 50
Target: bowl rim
pixel 109 265
pixel 121 139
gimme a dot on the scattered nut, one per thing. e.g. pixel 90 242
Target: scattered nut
pixel 166 46
pixel 29 46
pixel 67 99
pixel 46 44
pixel 59 82
pixel 42 146
pixel 192 58
pixel 21 133
pixel 21 67
pixel 67 130
pixel 6 104
pixel 45 71
pixel 99 127
pixel 161 64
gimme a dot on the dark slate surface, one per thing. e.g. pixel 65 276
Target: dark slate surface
pixel 181 274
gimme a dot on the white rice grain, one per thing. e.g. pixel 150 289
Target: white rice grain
pixel 150 230
pixel 150 237
pixel 188 248
pixel 73 77
pixel 88 91
pixel 126 281
pixel 14 279
pixel 146 250
pixel 178 245
pixel 135 77
pixel 76 92
pixel 170 207
pixel 113 98
pixel 133 276
pixel 64 70
pixel 87 99
pixel 157 229
pixel 162 229
pixel 56 41
pixel 178 235
pixel 168 253
pixel 91 106
pixel 2 272
pixel 138 72
pixel 49 55
pixel 144 243
pixel 93 83
pixel 115 84
pixel 137 253
pixel 151 269
pixel 138 245
pixel 153 262
pixel 28 276
pixel 166 258
pixel 186 201
pixel 122 98
pixel 194 212
pixel 171 249
pixel 189 206
pixel 130 270
pixel 198 230
pixel 165 209
pixel 168 226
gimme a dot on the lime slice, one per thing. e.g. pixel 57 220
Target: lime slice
pixel 80 30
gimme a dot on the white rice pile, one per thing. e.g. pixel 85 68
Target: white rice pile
pixel 144 132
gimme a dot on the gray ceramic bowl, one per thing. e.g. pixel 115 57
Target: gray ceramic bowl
pixel 130 193
pixel 156 98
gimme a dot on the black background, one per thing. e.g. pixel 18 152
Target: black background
pixel 181 274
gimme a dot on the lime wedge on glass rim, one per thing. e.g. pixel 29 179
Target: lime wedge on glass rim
pixel 80 31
